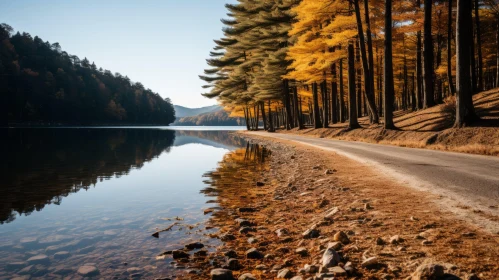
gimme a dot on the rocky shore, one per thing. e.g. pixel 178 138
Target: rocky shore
pixel 310 214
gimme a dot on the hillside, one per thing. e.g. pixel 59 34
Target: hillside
pixel 218 118
pixel 430 128
pixel 181 111
pixel 46 85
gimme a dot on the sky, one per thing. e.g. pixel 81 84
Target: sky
pixel 161 43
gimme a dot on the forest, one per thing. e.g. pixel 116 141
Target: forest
pixel 312 63
pixel 42 84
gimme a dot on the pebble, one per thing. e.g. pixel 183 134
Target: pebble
pixel 247 276
pixel 380 241
pixel 337 271
pixel 330 258
pixel 231 254
pixel 341 237
pixel 370 262
pixel 233 264
pixel 428 271
pixel 284 274
pixel 302 251
pixel 195 245
pixel 61 255
pixel 396 239
pixel 253 253
pixel 311 233
pixel 221 274
pixel 39 259
pixel 88 271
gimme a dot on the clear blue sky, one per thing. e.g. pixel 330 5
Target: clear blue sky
pixel 161 43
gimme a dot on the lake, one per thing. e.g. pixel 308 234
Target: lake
pixel 94 196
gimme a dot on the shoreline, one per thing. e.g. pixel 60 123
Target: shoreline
pixel 376 234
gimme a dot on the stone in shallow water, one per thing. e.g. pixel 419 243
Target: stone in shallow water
pixel 16 265
pixel 61 255
pixel 88 271
pixel 39 259
pixel 28 241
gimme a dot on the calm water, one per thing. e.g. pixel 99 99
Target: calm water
pixel 97 195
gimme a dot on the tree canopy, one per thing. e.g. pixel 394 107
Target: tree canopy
pixel 44 84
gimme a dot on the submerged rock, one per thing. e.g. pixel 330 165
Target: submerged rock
pixel 88 271
pixel 195 245
pixel 39 259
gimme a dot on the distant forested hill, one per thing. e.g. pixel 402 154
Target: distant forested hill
pixel 43 84
pixel 220 118
pixel 181 111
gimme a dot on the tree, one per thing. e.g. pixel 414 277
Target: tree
pixel 389 90
pixel 429 99
pixel 465 112
pixel 352 103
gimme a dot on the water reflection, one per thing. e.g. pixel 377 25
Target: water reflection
pixel 45 165
pixel 101 193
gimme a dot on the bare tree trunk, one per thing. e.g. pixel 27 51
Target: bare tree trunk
pixel 264 118
pixel 297 104
pixel 369 47
pixel 334 95
pixel 497 52
pixel 428 74
pixel 479 47
pixel 289 123
pixel 342 94
pixel 246 119
pixel 419 66
pixel 365 65
pixel 389 87
pixel 325 118
pixel 465 112
pixel 352 104
pixel 271 124
pixel 452 89
pixel 317 117
pixel 359 80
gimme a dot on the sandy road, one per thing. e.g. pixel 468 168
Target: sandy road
pixel 461 180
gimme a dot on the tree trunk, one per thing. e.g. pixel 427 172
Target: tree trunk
pixel 419 66
pixel 325 118
pixel 413 94
pixel 271 123
pixel 359 80
pixel 479 48
pixel 365 65
pixel 334 94
pixel 317 117
pixel 472 58
pixel 246 119
pixel 369 47
pixel 289 122
pixel 342 94
pixel 352 104
pixel 389 87
pixel 465 112
pixel 452 89
pixel 264 118
pixel 438 91
pixel 297 105
pixel 428 74
pixel 497 52
pixel 256 108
